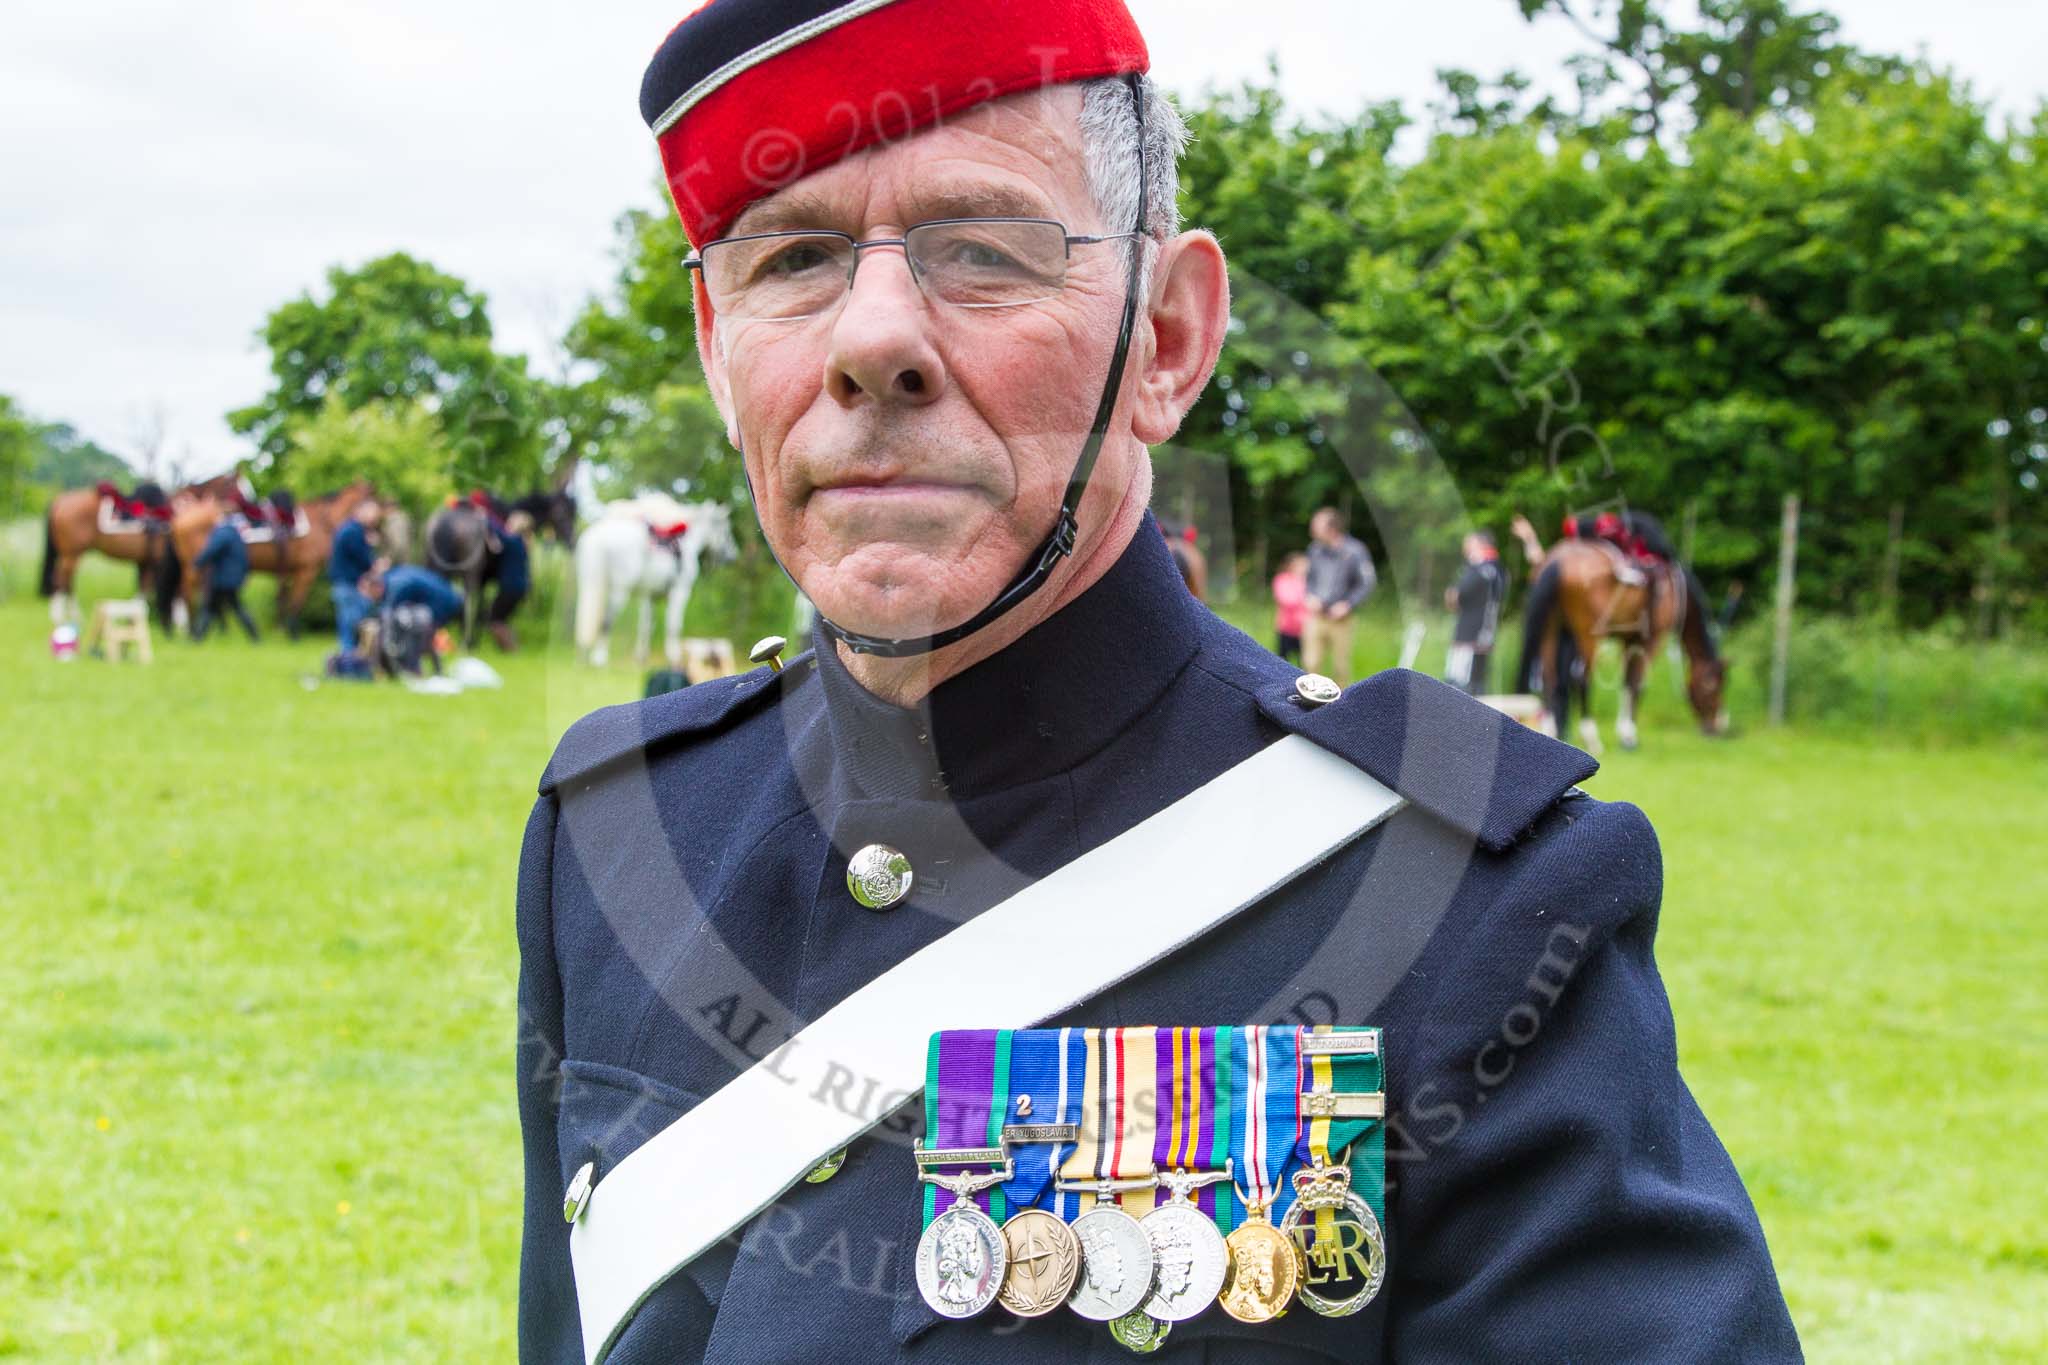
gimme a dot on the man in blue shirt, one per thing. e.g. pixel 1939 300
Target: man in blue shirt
pixel 409 584
pixel 225 562
pixel 514 577
pixel 348 564
pixel 414 602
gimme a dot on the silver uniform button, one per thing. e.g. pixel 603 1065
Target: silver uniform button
pixel 769 651
pixel 1316 690
pixel 578 1197
pixel 879 876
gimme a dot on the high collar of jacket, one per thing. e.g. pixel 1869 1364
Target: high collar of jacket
pixel 1043 704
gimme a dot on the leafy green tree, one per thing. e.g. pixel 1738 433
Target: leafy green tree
pixel 20 443
pixel 643 413
pixel 65 459
pixel 396 330
pixel 399 447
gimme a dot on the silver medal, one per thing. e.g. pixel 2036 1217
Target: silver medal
pixel 961 1260
pixel 1189 1256
pixel 1116 1264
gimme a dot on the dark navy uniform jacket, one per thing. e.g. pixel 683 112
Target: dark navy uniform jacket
pixel 1554 1193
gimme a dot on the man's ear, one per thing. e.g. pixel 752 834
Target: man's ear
pixel 711 355
pixel 1190 312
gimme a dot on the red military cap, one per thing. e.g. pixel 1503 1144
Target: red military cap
pixel 746 96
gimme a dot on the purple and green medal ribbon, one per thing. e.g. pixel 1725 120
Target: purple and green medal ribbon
pixel 966 1095
pixel 1193 1073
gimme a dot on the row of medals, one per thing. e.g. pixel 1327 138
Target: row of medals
pixel 1143 1275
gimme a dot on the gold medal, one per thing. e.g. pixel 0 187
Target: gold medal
pixel 1263 1272
pixel 1044 1261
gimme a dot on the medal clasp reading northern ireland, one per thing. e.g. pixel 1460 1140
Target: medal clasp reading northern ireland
pixel 1187 1249
pixel 962 1256
pixel 1343 1252
pixel 1044 1262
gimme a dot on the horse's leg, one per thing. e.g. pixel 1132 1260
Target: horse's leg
pixel 1589 728
pixel 678 603
pixel 643 636
pixel 301 584
pixel 1637 665
pixel 63 606
pixel 590 592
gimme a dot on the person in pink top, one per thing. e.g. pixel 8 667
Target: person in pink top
pixel 1290 606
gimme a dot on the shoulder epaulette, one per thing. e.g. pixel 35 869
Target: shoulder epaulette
pixel 607 736
pixel 1462 761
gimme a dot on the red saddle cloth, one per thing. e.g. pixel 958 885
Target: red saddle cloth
pixel 133 509
pixel 667 536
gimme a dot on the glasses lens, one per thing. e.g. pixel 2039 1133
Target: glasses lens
pixel 990 264
pixel 787 275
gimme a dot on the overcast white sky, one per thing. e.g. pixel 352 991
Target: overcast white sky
pixel 170 173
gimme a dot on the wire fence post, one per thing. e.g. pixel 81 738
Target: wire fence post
pixel 1788 563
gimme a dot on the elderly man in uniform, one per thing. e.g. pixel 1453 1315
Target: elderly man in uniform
pixel 944 307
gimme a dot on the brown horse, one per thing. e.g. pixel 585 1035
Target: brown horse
pixel 1590 591
pixel 77 522
pixel 297 562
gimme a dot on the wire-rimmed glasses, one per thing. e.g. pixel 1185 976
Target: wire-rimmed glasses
pixel 960 262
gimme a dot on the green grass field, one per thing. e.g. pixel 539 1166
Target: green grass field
pixel 259 982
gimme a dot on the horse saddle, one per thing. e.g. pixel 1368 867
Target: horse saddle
pixel 1629 570
pixel 144 510
pixel 275 517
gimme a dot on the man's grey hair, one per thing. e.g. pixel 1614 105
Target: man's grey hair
pixel 1109 145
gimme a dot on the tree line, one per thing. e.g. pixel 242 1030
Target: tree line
pixel 1745 259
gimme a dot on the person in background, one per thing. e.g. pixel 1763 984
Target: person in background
pixel 225 562
pixel 413 602
pixel 1340 578
pixel 408 584
pixel 1476 597
pixel 349 565
pixel 1290 605
pixel 514 577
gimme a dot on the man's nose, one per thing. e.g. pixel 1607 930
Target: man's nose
pixel 881 340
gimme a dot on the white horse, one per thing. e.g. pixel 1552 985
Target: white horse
pixel 618 556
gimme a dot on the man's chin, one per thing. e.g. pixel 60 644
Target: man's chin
pixel 904 595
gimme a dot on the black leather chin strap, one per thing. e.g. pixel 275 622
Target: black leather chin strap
pixel 1038 570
